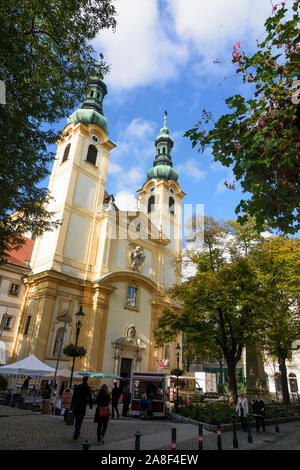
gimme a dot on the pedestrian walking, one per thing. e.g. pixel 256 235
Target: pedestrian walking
pixel 81 397
pixel 102 412
pixel 126 400
pixel 242 410
pixel 46 398
pixel 115 396
pixel 25 384
pixel 258 409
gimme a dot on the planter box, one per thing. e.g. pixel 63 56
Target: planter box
pixel 227 427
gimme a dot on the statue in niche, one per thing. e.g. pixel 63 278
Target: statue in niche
pixel 137 258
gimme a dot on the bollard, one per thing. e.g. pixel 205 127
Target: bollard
pixel 275 420
pixel 250 440
pixel 86 445
pixel 137 440
pixel 219 436
pixel 200 447
pixel 235 443
pixel 173 447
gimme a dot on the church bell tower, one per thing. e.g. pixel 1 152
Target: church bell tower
pixel 161 196
pixel 77 188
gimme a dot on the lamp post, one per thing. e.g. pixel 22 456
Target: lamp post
pixel 79 315
pixel 177 372
pixel 59 351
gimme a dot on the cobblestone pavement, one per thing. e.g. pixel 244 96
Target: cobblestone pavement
pixel 26 430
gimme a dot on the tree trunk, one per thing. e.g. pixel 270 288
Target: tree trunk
pixel 232 385
pixel 284 380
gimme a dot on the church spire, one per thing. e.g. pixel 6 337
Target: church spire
pixel 91 110
pixel 162 165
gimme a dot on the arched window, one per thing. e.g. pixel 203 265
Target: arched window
pixel 293 383
pixel 151 203
pixel 66 153
pixel 171 205
pixel 92 154
pixel 278 384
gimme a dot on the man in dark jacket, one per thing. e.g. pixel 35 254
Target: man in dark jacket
pixel 81 397
pixel 115 394
pixel 126 400
pixel 258 408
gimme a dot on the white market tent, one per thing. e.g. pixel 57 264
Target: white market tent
pixel 31 365
pixel 61 376
pixel 64 374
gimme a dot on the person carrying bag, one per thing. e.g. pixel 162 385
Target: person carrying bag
pixel 102 412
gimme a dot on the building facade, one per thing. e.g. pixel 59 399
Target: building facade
pixel 12 291
pixel 113 264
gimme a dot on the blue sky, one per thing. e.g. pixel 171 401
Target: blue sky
pixel 162 58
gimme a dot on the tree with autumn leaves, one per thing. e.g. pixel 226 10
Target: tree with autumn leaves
pixel 239 296
pixel 259 138
pixel 46 59
pixel 220 305
pixel 277 268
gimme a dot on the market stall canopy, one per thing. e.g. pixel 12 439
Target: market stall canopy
pixel 62 374
pixel 97 375
pixel 31 365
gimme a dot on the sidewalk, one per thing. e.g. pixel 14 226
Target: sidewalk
pixel 26 430
pixel 157 440
pixel 288 438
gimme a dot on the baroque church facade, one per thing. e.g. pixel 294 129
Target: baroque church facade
pixel 114 265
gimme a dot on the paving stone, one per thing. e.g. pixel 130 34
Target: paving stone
pixel 27 430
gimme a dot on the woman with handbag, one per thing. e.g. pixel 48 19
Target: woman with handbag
pixel 102 412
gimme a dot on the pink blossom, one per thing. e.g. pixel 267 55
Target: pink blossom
pixel 229 186
pixel 261 122
pixel 236 54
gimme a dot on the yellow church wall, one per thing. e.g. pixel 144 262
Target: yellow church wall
pixel 120 319
pixel 88 257
pixel 77 238
pixel 85 193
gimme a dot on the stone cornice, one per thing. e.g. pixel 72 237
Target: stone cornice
pixel 127 276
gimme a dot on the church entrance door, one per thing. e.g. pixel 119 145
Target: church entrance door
pixel 125 371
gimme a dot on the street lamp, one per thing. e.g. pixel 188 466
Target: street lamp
pixel 80 316
pixel 177 371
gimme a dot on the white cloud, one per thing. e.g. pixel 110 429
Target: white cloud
pixel 136 137
pixel 133 155
pixel 155 40
pixel 126 201
pixel 190 169
pixel 140 51
pixel 212 28
pixel 114 168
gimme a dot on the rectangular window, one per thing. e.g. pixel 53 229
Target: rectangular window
pixel 131 300
pixel 14 290
pixel 7 322
pixel 26 329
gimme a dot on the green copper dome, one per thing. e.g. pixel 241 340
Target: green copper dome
pixel 91 110
pixel 162 165
pixel 162 172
